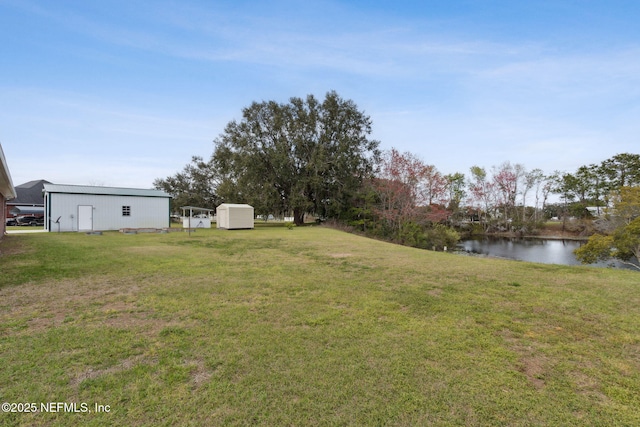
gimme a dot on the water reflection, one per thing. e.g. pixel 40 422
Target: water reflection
pixel 534 250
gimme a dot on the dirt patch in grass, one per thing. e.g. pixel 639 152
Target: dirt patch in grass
pixel 123 365
pixel 589 386
pixel 46 321
pixel 533 367
pixel 151 250
pixel 47 305
pixel 435 292
pixel 126 316
pixel 93 288
pixel 200 375
pixel 340 255
pixel 532 363
pixel 10 245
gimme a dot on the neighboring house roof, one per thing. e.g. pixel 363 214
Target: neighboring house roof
pixel 31 184
pixel 107 191
pixel 27 210
pixel 6 185
pixel 30 193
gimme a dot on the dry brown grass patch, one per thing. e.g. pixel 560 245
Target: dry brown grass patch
pixel 123 365
pixel 340 255
pixel 48 305
pixel 11 245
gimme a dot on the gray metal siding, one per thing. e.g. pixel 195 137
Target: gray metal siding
pixel 146 212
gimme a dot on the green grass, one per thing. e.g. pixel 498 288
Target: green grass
pixel 309 326
pixel 24 227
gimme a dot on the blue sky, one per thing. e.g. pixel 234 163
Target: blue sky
pixel 119 93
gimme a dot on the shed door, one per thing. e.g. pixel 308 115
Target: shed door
pixel 85 218
pixel 222 221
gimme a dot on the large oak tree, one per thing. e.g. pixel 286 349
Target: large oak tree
pixel 304 156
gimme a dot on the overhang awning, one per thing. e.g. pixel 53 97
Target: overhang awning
pixel 197 210
pixel 27 210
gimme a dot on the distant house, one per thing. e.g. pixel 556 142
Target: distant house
pixel 87 208
pixel 7 191
pixel 232 216
pixel 29 199
pixel 596 211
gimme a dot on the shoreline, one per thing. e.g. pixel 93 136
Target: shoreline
pixel 530 236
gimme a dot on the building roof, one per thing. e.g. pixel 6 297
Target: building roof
pixel 30 193
pixel 6 185
pixel 27 210
pixel 34 183
pixel 236 205
pixel 107 191
pixel 195 208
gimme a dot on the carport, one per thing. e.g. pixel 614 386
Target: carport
pixel 197 218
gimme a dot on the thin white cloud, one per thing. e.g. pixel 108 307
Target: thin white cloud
pixel 452 97
pixel 71 135
pixel 222 36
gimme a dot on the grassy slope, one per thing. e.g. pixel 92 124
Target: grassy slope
pixel 310 326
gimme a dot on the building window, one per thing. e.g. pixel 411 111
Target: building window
pixel 126 211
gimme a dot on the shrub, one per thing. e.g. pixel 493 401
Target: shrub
pixel 440 236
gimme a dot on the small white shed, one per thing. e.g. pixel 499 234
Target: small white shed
pixel 232 216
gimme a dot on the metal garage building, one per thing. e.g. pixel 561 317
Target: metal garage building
pixel 234 216
pixel 86 208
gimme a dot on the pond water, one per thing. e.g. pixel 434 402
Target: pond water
pixel 534 250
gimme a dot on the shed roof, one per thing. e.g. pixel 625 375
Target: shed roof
pixel 236 205
pixel 107 191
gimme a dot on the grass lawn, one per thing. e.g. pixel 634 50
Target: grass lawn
pixel 309 326
pixel 24 227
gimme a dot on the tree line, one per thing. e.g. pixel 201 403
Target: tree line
pixel 316 157
pixel 619 234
